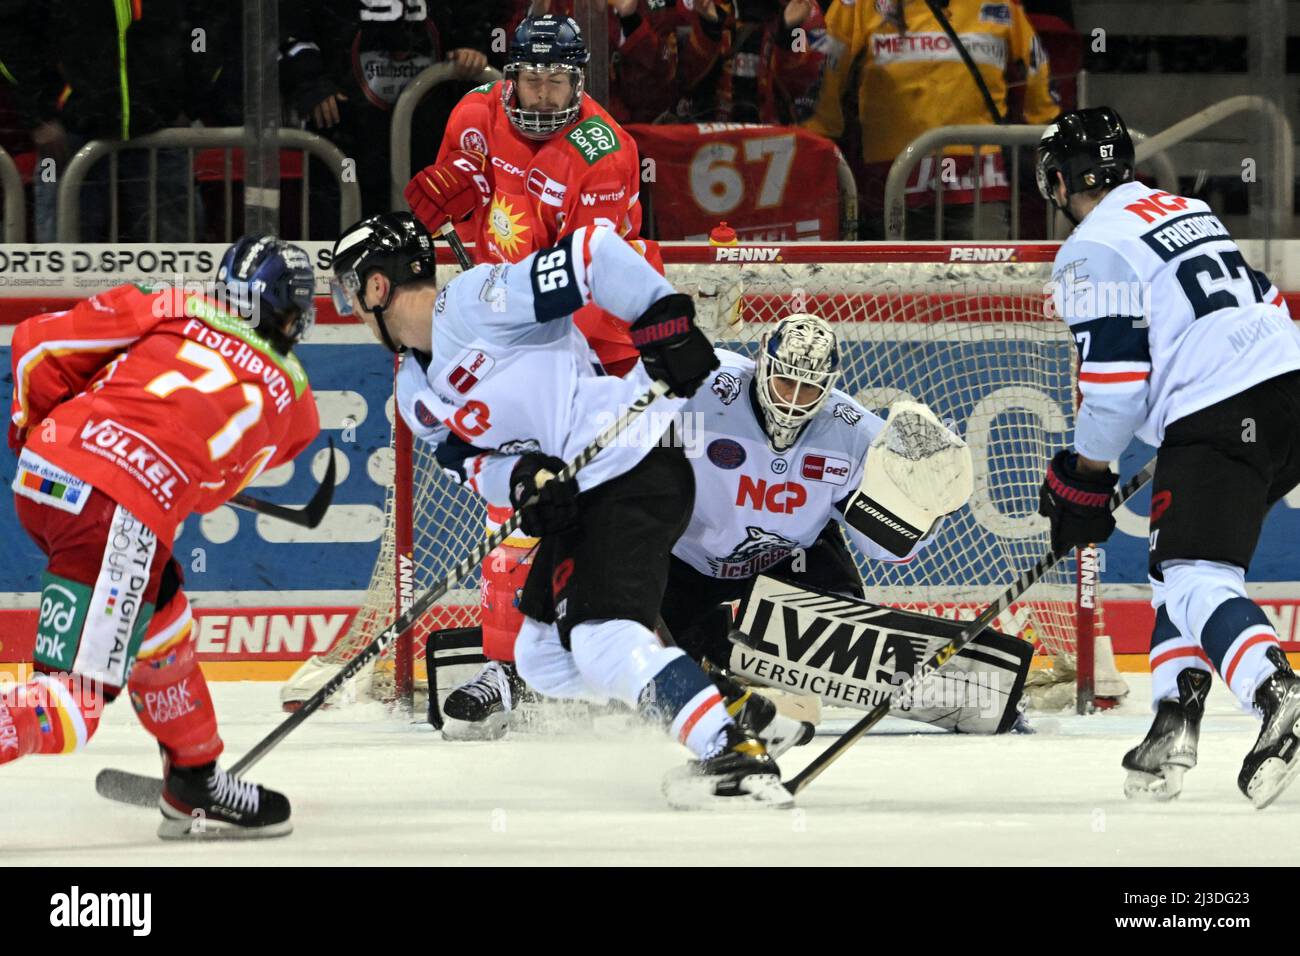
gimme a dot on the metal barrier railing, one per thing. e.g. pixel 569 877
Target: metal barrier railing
pixel 1281 184
pixel 15 209
pixel 933 141
pixel 849 227
pixel 399 131
pixel 190 139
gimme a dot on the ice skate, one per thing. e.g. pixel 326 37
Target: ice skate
pixel 207 803
pixel 480 708
pixel 739 775
pixel 1156 766
pixel 1274 761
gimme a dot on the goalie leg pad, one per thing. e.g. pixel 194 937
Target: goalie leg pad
pixel 852 653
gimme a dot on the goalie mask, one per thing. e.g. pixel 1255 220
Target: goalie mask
pixel 798 364
pixel 547 55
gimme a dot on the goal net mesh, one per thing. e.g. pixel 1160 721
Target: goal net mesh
pixel 973 341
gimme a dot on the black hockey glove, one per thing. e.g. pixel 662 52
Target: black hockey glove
pixel 673 350
pixel 552 507
pixel 1077 504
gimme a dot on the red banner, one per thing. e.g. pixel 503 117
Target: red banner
pixel 770 183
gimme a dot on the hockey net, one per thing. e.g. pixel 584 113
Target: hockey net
pixel 973 340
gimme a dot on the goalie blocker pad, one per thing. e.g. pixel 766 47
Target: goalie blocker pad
pixel 852 653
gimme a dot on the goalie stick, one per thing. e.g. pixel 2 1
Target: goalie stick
pixel 309 516
pixel 944 654
pixel 144 790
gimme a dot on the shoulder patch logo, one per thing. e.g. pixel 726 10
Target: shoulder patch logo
pixel 486 87
pixel 473 139
pixel 847 413
pixel 469 369
pixel 423 415
pixel 593 139
pixel 726 453
pixel 727 387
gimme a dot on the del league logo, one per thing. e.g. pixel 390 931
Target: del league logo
pixel 822 468
pixel 470 367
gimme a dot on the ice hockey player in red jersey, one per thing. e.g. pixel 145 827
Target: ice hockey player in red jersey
pixel 532 158
pixel 525 162
pixel 132 410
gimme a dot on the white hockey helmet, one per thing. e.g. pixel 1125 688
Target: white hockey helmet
pixel 798 365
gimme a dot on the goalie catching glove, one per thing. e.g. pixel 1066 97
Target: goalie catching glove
pixel 450 191
pixel 546 504
pixel 672 349
pixel 1076 503
pixel 917 471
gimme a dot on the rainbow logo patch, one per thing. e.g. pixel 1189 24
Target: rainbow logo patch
pixel 49 486
pixel 111 602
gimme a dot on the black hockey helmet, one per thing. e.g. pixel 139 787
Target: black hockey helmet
pixel 545 44
pixel 271 282
pixel 1090 148
pixel 394 243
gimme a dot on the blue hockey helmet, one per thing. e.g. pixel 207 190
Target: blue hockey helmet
pixel 271 283
pixel 545 45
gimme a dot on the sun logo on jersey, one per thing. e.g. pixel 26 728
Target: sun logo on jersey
pixel 506 227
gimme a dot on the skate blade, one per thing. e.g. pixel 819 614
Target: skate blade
pixel 1274 775
pixel 1139 785
pixel 493 728
pixel 203 830
pixel 780 745
pixel 686 790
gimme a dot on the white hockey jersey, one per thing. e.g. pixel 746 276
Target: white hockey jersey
pixel 753 506
pixel 510 373
pixel 1166 314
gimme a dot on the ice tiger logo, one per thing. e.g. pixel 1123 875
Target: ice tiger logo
pixel 727 387
pixel 759 550
pixel 847 414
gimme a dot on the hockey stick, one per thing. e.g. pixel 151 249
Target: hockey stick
pixel 448 232
pixel 948 651
pixel 145 790
pixel 309 516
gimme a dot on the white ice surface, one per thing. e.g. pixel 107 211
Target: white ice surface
pixel 368 790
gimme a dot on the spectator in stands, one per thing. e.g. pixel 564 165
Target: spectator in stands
pixel 752 61
pixel 343 68
pixel 73 83
pixel 910 78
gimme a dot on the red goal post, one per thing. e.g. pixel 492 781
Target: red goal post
pixel 963 327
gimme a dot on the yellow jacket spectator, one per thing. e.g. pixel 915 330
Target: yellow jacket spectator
pixel 911 78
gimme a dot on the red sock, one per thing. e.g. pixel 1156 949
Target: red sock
pixel 171 698
pixel 50 714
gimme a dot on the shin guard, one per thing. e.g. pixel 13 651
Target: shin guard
pixel 171 698
pixel 50 714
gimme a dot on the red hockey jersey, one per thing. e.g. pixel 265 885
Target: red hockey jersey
pixel 159 398
pixel 589 175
